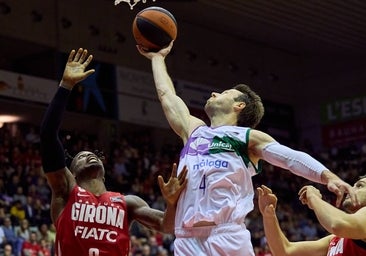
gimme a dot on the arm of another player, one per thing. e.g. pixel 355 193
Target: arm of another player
pixel 335 221
pixel 175 110
pixel 277 241
pixel 59 178
pixel 263 146
pixel 140 211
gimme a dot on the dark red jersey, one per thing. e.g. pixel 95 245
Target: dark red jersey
pixel 93 225
pixel 346 247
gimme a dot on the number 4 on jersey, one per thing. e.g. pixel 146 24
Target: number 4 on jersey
pixel 203 184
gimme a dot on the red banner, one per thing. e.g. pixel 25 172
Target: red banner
pixel 345 132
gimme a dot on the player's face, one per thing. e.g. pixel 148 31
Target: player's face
pixel 84 160
pixel 223 101
pixel 360 187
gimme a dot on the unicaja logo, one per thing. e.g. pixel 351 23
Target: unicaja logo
pixel 221 145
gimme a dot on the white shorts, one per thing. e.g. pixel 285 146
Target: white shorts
pixel 224 239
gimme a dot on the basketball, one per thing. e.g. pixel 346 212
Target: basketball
pixel 154 28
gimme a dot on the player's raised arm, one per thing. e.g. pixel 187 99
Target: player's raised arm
pixel 175 109
pixel 58 176
pixel 277 241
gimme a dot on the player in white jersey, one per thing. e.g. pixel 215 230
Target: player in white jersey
pixel 221 159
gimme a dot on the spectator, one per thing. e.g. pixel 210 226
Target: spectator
pixel 19 195
pixel 23 231
pixel 45 248
pixel 10 235
pixel 162 252
pixel 52 236
pixel 154 247
pixel 17 157
pixel 45 233
pixel 146 250
pixel 2 237
pixel 17 212
pixel 8 250
pixel 135 244
pixel 31 247
pixel 120 167
pixel 41 213
pixel 43 191
pixel 29 210
pixel 52 233
pixel 3 191
pixel 265 252
pixel 32 191
pixel 36 161
pixel 11 187
pixel 3 213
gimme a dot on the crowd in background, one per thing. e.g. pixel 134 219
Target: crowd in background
pixel 132 165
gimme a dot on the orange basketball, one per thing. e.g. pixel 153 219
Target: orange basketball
pixel 154 28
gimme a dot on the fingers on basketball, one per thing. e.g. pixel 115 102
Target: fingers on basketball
pixel 154 28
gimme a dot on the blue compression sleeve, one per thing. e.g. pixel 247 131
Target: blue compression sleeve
pixel 52 151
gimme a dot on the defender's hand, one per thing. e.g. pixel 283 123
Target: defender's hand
pixel 307 192
pixel 172 189
pixel 267 201
pixel 75 68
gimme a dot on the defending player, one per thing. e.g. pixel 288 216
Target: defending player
pixel 89 219
pixel 347 229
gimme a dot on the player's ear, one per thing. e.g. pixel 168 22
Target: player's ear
pixel 239 106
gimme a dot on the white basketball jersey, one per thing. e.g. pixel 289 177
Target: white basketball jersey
pixel 220 174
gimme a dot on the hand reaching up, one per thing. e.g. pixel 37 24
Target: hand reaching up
pixel 172 189
pixel 75 68
pixel 267 201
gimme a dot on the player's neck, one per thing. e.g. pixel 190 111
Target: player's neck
pixel 95 186
pixel 223 119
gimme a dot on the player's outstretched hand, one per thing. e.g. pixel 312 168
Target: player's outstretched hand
pixel 163 52
pixel 267 201
pixel 307 192
pixel 172 189
pixel 75 68
pixel 340 188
